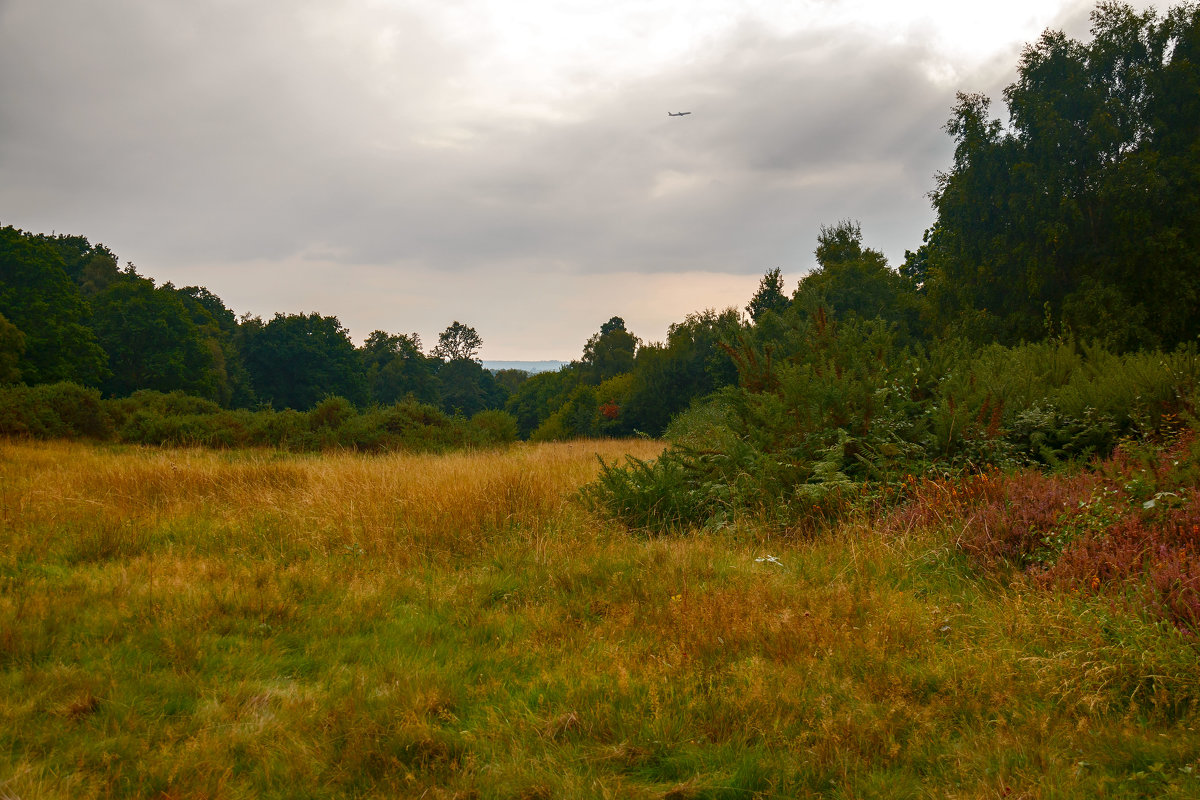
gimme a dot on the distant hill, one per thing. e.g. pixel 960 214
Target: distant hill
pixel 528 366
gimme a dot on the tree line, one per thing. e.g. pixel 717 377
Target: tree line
pixel 1078 217
pixel 69 313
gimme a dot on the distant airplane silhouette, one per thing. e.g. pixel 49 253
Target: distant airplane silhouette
pixel 679 114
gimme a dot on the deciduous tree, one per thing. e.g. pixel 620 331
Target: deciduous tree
pixel 1087 204
pixel 852 280
pixel 39 298
pixel 151 340
pixel 12 345
pixel 396 368
pixel 295 360
pixel 609 352
pixel 458 342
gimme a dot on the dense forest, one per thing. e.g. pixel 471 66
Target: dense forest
pixel 1066 249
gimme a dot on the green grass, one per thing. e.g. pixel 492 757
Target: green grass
pixel 179 623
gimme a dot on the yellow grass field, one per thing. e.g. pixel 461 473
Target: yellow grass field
pixel 209 624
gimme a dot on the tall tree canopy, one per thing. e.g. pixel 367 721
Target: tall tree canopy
pixel 12 346
pixel 467 388
pixel 219 328
pixel 152 342
pixel 458 341
pixel 1087 205
pixel 769 297
pixel 853 280
pixel 396 368
pixel 692 363
pixel 537 398
pixel 295 360
pixel 609 352
pixel 38 297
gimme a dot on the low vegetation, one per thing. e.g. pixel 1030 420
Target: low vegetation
pixel 249 623
pixel 845 409
pixel 66 411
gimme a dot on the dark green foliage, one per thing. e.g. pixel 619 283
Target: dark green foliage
pixel 578 416
pixel 853 281
pixel 55 410
pixel 12 347
pixel 163 404
pixel 540 396
pixel 407 425
pixel 65 410
pixel 1055 401
pixel 687 487
pixel 843 409
pixel 494 426
pixel 93 323
pixel 331 413
pixel 786 442
pixel 458 342
pixel 39 298
pixel 176 419
pixel 581 413
pixel 204 306
pixel 224 429
pixel 218 328
pixel 92 267
pixel 467 388
pixel 152 341
pixel 769 297
pixel 510 380
pixel 693 363
pixel 654 495
pixel 589 412
pixel 296 359
pixel 396 368
pixel 590 397
pixel 1048 435
pixel 1088 204
pixel 68 312
pixel 610 352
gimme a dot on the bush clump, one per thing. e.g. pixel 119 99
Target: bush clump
pixel 848 410
pixel 56 410
pixel 65 410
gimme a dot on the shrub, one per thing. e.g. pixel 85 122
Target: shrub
pixel 660 496
pixel 331 413
pixel 494 427
pixel 287 429
pixel 174 418
pixel 367 432
pixel 56 410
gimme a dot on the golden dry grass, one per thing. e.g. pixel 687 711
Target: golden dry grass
pixel 384 504
pixel 187 623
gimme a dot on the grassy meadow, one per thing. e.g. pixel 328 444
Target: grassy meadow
pixel 185 623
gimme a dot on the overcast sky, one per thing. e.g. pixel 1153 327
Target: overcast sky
pixel 402 164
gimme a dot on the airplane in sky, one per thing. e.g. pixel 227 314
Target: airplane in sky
pixel 678 114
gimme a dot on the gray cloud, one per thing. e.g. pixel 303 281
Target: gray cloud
pixel 227 130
